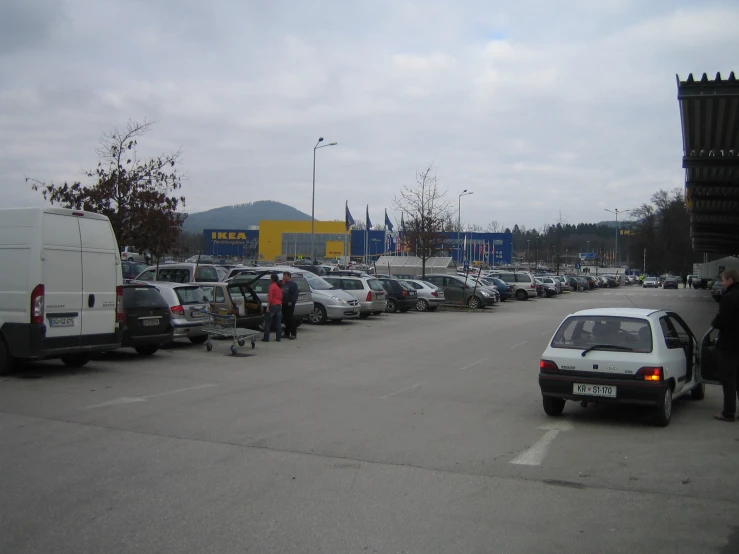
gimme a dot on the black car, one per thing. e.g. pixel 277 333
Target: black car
pixel 131 269
pixel 401 296
pixel 148 320
pixel 669 283
pixel 717 289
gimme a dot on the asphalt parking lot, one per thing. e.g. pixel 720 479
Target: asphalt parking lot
pixel 402 433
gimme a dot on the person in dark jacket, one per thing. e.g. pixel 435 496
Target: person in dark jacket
pixel 727 347
pixel 290 292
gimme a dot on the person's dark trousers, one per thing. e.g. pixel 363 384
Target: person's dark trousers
pixel 273 313
pixel 289 318
pixel 728 365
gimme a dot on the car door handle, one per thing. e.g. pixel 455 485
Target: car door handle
pixel 91 301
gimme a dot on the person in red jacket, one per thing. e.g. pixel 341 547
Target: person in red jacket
pixel 273 309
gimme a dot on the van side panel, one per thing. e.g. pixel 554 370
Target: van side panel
pixel 101 274
pixel 62 277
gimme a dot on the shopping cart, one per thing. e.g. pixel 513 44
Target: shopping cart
pixel 223 325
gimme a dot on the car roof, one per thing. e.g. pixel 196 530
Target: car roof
pixel 622 312
pixel 180 265
pixel 168 284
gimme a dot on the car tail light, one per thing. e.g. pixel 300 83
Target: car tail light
pixel 650 373
pixel 434 293
pixel 548 366
pixel 177 310
pixel 405 293
pixel 533 285
pixel 37 304
pixel 120 314
pixel 369 296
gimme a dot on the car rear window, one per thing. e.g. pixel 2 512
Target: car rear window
pixel 375 284
pixel 205 274
pixel 406 286
pixel 142 297
pixel 190 295
pixel 581 332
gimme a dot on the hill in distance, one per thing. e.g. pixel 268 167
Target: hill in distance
pixel 241 216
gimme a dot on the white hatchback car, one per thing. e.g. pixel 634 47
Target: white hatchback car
pixel 629 355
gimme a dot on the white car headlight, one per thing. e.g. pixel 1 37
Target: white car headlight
pixel 485 293
pixel 339 300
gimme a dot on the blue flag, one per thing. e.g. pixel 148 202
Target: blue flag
pixel 388 224
pixel 349 218
pixel 369 223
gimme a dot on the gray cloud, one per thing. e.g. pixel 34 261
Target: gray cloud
pixel 536 107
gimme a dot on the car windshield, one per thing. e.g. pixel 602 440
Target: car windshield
pixel 604 332
pixel 317 283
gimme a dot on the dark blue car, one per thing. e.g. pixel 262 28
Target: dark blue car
pixel 505 290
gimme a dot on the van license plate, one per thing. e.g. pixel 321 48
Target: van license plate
pixel 61 322
pixel 594 390
pixel 150 322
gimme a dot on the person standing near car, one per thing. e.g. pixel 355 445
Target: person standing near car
pixel 727 347
pixel 290 292
pixel 273 309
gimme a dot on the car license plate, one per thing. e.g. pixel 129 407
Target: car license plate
pixel 594 390
pixel 302 298
pixel 61 322
pixel 150 322
pixel 197 314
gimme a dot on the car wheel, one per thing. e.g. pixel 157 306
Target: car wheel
pixel 6 361
pixel 663 412
pixel 422 305
pixel 521 294
pixel 553 406
pixel 75 360
pixel 318 315
pixel 392 306
pixel 199 340
pixel 364 315
pixel 473 303
pixel 147 349
pixel 698 392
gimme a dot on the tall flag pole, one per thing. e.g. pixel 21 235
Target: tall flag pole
pixel 368 226
pixel 349 222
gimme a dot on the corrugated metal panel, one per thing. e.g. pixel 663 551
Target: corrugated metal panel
pixel 709 112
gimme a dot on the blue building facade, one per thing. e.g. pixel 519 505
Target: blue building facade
pixel 237 243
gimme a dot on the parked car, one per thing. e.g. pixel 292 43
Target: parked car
pixel 148 321
pixel 131 254
pixel 201 259
pixel 505 291
pixel 130 270
pixel 548 289
pixel 330 303
pixel 627 355
pixel 551 281
pixel 523 283
pixel 60 285
pixel 463 290
pixel 717 289
pixel 564 283
pixel 236 298
pixel 180 273
pixel 670 283
pixel 188 306
pixel 430 297
pixel 304 305
pixel 401 296
pixel 650 283
pixel 368 291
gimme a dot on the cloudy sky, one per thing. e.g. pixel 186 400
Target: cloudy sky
pixel 536 106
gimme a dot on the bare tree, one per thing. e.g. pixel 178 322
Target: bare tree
pixel 474 228
pixel 427 209
pixel 495 227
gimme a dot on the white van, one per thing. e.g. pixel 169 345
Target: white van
pixel 61 293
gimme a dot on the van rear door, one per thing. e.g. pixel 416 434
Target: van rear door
pixel 101 274
pixel 62 279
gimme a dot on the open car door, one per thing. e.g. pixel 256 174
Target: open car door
pixel 708 361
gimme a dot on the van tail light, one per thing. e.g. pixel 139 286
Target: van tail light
pixel 120 314
pixel 369 296
pixel 177 310
pixel 650 374
pixel 434 293
pixel 37 305
pixel 548 366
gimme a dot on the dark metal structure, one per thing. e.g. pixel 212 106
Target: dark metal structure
pixel 709 112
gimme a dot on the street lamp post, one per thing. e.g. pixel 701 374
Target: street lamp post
pixel 528 260
pixel 616 211
pixel 459 223
pixel 313 202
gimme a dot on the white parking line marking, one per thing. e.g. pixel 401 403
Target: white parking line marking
pixel 535 454
pixel 518 344
pixel 127 400
pixel 402 390
pixel 473 364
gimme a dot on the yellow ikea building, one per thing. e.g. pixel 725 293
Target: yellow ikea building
pixel 283 239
